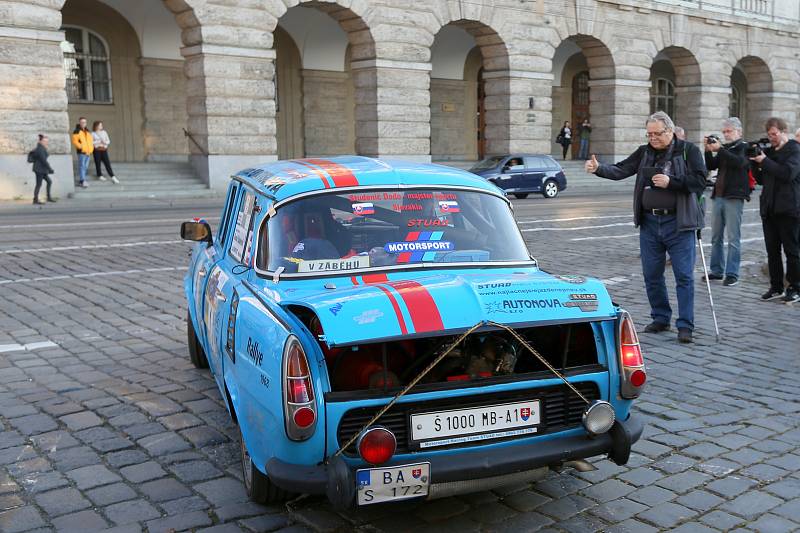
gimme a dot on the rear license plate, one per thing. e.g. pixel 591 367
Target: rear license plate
pixel 475 424
pixel 394 483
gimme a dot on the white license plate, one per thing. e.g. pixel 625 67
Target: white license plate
pixel 479 423
pixel 394 483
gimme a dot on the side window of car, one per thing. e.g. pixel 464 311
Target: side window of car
pixel 224 223
pixel 535 163
pixel 242 240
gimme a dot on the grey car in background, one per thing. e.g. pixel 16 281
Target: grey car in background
pixel 522 174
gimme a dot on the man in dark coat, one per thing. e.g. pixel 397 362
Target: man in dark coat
pixel 41 168
pixel 670 178
pixel 730 191
pixel 778 169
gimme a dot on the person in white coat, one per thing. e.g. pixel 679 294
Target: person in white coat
pixel 101 144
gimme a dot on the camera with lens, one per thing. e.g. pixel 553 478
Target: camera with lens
pixel 713 138
pixel 756 148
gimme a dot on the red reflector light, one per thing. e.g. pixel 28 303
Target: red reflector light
pixel 304 417
pixel 632 355
pixel 638 378
pixel 377 445
pixel 299 391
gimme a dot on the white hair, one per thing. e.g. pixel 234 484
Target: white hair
pixel 660 116
pixel 733 122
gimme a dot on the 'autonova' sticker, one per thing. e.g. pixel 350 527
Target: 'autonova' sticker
pixel 324 265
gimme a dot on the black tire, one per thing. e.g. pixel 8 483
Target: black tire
pixel 521 195
pixel 258 486
pixel 550 189
pixel 196 352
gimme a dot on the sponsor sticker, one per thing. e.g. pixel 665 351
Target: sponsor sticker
pixel 327 265
pixel 587 302
pixel 368 317
pixel 418 246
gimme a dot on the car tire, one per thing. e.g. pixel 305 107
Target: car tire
pixel 550 189
pixel 196 352
pixel 258 486
pixel 521 196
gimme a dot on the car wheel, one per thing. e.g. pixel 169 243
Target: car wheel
pixel 550 189
pixel 259 488
pixel 521 196
pixel 196 352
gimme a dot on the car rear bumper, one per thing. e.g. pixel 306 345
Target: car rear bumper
pixel 337 479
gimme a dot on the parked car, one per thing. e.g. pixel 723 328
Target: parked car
pixel 379 331
pixel 522 174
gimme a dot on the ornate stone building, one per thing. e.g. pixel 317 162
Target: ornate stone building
pixel 251 81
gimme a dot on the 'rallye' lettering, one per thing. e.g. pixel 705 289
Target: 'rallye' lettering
pixel 255 354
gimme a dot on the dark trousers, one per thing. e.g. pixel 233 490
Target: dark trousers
pixel 39 179
pixel 102 156
pixel 565 147
pixel 781 232
pixel 659 235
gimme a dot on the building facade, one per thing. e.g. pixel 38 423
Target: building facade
pixel 229 83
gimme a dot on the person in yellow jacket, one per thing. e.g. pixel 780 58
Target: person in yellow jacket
pixel 84 144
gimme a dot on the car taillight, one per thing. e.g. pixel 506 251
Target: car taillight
pixel 631 361
pixel 377 445
pixel 300 410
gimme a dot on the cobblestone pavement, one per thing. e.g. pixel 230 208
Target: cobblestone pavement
pixel 105 424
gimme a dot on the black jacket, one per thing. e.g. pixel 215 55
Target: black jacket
pixel 731 160
pixel 40 164
pixel 779 173
pixel 688 178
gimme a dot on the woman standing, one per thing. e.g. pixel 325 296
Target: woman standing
pixel 41 168
pixel 565 136
pixel 101 142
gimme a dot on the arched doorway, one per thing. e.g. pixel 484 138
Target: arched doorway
pixel 675 88
pixel 580 62
pixel 317 111
pixel 468 118
pixel 751 82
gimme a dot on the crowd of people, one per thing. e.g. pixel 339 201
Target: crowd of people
pixel 88 144
pixel 669 209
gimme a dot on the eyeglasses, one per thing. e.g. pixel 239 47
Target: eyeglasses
pixel 651 134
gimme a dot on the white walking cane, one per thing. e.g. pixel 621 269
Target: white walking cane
pixel 708 282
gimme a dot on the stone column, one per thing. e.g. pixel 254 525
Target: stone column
pixel 392 109
pixel 618 109
pixel 518 116
pixel 328 113
pixel 700 110
pixel 231 109
pixel 164 96
pixel 32 101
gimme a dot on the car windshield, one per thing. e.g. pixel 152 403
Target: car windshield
pixel 390 228
pixel 489 162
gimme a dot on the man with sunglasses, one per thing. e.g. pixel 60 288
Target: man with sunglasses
pixel 670 178
pixel 778 170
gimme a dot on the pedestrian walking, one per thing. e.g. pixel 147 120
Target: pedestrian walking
pixel 101 141
pixel 564 138
pixel 41 168
pixel 777 169
pixel 585 134
pixel 84 144
pixel 730 191
pixel 670 178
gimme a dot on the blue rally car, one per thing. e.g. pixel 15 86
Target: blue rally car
pixel 379 332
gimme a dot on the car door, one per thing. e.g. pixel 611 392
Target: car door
pixel 231 270
pixel 513 176
pixel 205 263
pixel 535 171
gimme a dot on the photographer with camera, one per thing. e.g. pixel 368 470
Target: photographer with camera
pixel 730 191
pixel 776 166
pixel 670 178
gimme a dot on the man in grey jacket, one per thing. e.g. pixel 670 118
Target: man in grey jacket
pixel 670 178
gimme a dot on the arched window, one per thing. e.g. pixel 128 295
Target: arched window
pixel 736 103
pixel 663 96
pixel 87 66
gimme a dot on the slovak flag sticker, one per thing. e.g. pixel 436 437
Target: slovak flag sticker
pixel 525 413
pixel 416 472
pixel 449 206
pixel 363 209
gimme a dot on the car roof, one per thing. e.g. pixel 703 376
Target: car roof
pixel 281 180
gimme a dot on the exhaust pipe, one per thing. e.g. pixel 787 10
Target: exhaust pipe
pixel 581 465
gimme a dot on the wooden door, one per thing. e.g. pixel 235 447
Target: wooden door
pixel 580 107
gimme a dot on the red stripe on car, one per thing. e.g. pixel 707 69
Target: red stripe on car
pixel 400 320
pixel 374 278
pixel 315 170
pixel 341 175
pixel 420 304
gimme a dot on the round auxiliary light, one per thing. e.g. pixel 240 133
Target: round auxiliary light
pixel 598 417
pixel 377 445
pixel 304 417
pixel 638 378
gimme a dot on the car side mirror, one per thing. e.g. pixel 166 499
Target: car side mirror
pixel 196 231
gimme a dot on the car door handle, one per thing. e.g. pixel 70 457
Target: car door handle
pixel 220 296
